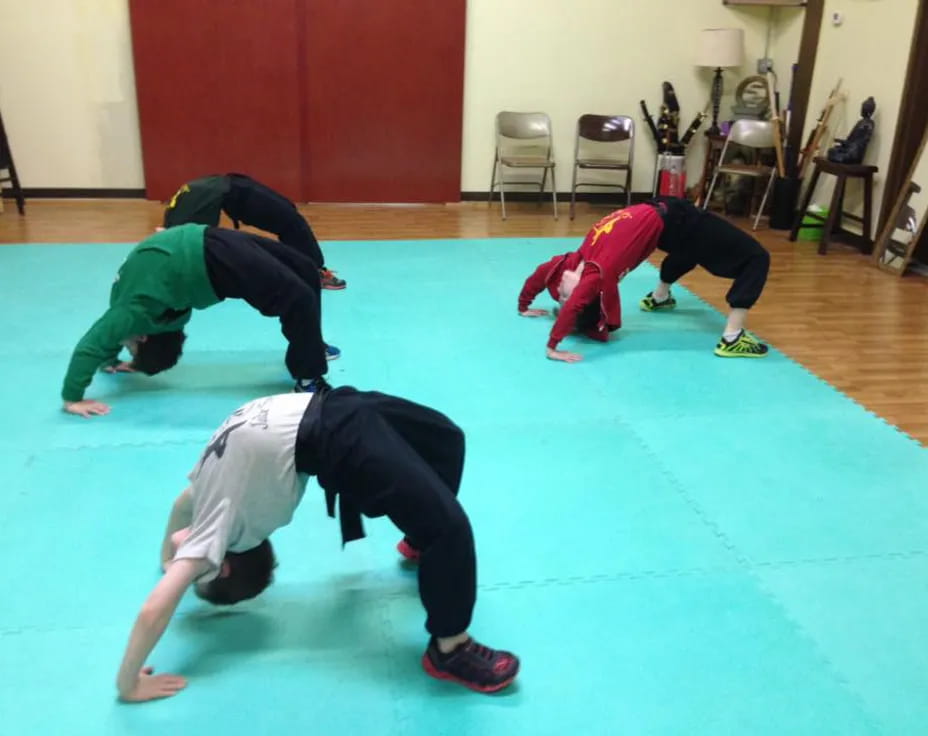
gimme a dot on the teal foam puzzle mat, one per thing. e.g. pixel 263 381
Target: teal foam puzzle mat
pixel 672 542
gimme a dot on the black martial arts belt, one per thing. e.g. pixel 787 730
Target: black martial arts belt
pixel 310 451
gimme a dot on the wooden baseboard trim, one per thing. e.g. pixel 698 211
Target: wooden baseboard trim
pixel 77 193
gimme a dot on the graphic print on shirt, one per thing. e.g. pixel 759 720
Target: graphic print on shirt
pixel 254 414
pixel 217 445
pixel 260 418
pixel 604 226
pixel 177 194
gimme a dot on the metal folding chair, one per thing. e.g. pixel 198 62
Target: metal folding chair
pixel 523 143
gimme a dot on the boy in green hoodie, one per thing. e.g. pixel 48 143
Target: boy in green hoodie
pixel 188 267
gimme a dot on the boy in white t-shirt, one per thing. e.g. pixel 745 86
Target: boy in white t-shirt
pixel 378 455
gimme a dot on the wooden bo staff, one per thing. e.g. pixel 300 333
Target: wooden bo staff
pixel 777 129
pixel 817 133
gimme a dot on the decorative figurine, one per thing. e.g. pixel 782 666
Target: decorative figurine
pixel 851 150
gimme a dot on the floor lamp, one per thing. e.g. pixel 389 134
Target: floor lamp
pixel 719 48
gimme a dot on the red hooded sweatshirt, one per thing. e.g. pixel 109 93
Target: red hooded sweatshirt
pixel 614 246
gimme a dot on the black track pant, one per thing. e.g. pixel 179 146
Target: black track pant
pixel 278 281
pixel 723 250
pixel 385 456
pixel 255 204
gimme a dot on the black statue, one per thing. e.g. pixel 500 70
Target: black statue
pixel 851 150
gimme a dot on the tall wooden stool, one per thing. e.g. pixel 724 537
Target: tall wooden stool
pixel 832 228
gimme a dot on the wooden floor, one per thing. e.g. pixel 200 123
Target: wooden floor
pixel 863 331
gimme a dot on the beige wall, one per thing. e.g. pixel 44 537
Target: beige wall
pixel 599 56
pixel 67 85
pixel 67 92
pixel 67 88
pixel 870 52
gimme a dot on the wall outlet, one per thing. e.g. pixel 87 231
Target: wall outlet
pixel 764 66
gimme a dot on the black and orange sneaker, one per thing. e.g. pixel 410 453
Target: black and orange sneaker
pixel 330 280
pixel 409 553
pixel 472 665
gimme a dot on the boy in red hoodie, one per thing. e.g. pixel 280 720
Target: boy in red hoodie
pixel 586 282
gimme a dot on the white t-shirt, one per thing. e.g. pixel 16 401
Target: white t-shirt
pixel 245 485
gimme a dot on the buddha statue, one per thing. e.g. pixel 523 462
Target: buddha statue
pixel 851 150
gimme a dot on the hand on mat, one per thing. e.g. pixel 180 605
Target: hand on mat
pixel 534 313
pixel 121 367
pixel 563 355
pixel 150 686
pixel 86 408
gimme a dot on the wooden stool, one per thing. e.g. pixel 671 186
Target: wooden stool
pixel 832 227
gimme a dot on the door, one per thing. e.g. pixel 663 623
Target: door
pixel 218 90
pixel 384 89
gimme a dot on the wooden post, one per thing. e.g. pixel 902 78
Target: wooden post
pixel 777 129
pixel 802 82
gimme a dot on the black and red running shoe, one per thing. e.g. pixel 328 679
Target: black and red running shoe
pixel 472 665
pixel 330 280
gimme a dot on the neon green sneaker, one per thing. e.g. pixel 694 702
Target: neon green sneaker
pixel 649 305
pixel 746 346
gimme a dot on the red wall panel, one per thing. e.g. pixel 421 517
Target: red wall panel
pixel 218 87
pixel 384 89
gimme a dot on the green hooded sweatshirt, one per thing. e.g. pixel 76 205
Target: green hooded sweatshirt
pixel 161 280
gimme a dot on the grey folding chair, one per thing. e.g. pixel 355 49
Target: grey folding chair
pixel 523 144
pixel 604 143
pixel 755 134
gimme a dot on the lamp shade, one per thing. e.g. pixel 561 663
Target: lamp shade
pixel 720 47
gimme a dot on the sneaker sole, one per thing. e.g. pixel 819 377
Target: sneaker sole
pixel 723 354
pixel 332 357
pixel 334 288
pixel 664 308
pixel 439 675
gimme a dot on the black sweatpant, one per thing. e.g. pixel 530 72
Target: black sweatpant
pixel 278 281
pixel 385 456
pixel 255 204
pixel 693 237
